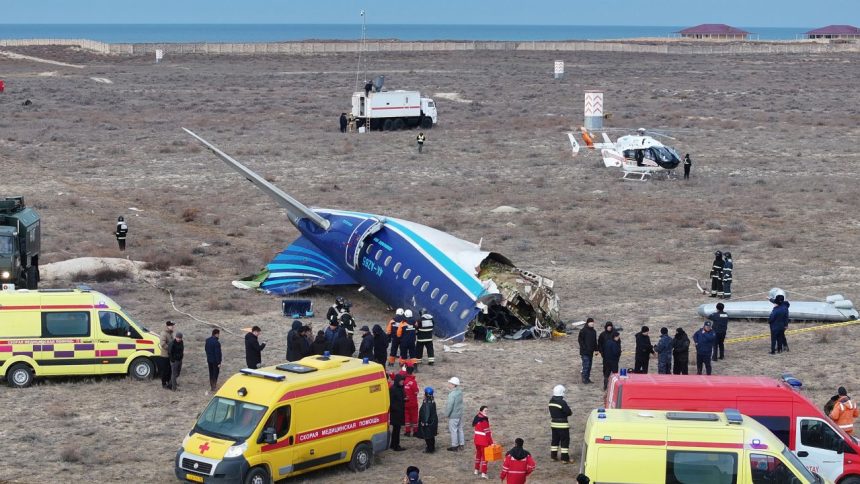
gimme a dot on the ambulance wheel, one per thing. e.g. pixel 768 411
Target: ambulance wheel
pixel 362 457
pixel 141 368
pixel 19 376
pixel 257 475
pixel 388 125
pixel 399 124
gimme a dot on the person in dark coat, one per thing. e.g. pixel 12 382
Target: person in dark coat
pixel 331 334
pixel 680 352
pixel 604 336
pixel 428 421
pixel 294 343
pixel 778 322
pixel 397 411
pixel 175 353
pixel 343 345
pixel 664 352
pixel 720 322
pixel 644 350
pixel 587 339
pixel 611 356
pixel 688 163
pixel 318 346
pixel 728 270
pixel 253 348
pixel 343 122
pixel 213 358
pixel 704 340
pixel 717 275
pixel 380 344
pixel 365 349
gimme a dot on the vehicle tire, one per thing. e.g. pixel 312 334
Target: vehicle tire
pixel 141 368
pixel 399 124
pixel 362 457
pixel 20 376
pixel 32 277
pixel 257 475
pixel 426 123
pixel 850 480
pixel 388 125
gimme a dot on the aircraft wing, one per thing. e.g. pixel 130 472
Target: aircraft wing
pixel 302 266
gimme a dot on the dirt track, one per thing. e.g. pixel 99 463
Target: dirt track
pixel 774 180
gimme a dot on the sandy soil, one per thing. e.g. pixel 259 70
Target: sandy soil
pixel 773 139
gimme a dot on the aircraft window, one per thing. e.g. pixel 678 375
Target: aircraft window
pixel 434 293
pixel 369 249
pixel 464 314
pixel 416 280
pixel 443 299
pixel 397 267
pixel 425 286
pixel 406 273
pixel 387 261
pixel 453 306
pixel 378 255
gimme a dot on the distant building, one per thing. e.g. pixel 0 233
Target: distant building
pixel 834 32
pixel 714 32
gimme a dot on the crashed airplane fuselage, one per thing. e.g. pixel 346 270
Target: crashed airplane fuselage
pixel 402 263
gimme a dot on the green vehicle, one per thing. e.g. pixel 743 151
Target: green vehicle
pixel 20 234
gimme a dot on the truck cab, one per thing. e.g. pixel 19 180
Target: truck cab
pixel 20 234
pixel 428 107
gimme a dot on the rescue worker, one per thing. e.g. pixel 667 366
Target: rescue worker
pixel 350 121
pixel 175 352
pixel 644 350
pixel 411 389
pixel 518 464
pixel 559 411
pixel 396 412
pixel 425 339
pixel 365 349
pixel 420 139
pixel 121 232
pixel 664 352
pixel 380 344
pixel 393 336
pixel 844 411
pixel 331 334
pixel 717 275
pixel 336 310
pixel 704 339
pixel 483 438
pixel 343 344
pixel 611 355
pixel 294 345
pixel 343 122
pixel 253 348
pixel 778 321
pixel 720 322
pixel 454 412
pixel 605 335
pixel 688 163
pixel 347 322
pixel 728 265
pixel 639 155
pixel 428 421
pixel 213 358
pixel 587 340
pixel 164 358
pixel 406 334
pixel 680 352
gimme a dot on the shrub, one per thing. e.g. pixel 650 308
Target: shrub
pixel 190 214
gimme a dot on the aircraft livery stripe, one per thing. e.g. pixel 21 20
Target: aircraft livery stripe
pixel 319 258
pixel 303 392
pixel 670 443
pixel 297 267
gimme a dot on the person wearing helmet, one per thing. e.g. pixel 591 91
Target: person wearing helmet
pixel 425 339
pixel 121 232
pixel 558 413
pixel 454 412
pixel 394 338
pixel 728 266
pixel 428 421
pixel 406 334
pixel 336 310
pixel 717 275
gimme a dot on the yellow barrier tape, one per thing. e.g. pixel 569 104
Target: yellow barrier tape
pixel 794 331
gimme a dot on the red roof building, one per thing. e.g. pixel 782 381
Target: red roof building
pixel 834 32
pixel 714 32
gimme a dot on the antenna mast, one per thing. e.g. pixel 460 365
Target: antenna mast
pixel 361 49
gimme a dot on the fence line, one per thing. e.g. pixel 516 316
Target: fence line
pixel 307 48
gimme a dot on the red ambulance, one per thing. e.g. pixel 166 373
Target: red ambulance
pixel 820 444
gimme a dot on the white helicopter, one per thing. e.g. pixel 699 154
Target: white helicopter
pixel 639 156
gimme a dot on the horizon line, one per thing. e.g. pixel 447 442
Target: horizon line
pixel 389 24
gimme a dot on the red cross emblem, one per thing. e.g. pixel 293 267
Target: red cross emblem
pixel 204 447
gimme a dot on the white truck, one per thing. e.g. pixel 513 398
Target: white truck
pixel 393 110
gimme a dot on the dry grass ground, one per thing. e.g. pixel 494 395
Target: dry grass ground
pixel 773 139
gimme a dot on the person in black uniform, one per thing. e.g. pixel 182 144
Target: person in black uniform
pixel 717 275
pixel 680 352
pixel 640 157
pixel 728 267
pixel 397 411
pixel 558 413
pixel 121 232
pixel 644 350
pixel 365 349
pixel 720 323
pixel 587 340
pixel 336 310
pixel 688 163
pixel 611 356
pixel 425 339
pixel 380 344
pixel 343 122
pixel 347 322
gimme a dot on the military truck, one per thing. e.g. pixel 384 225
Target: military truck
pixel 20 234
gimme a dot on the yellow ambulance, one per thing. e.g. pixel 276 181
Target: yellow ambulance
pixel 53 332
pixel 653 446
pixel 267 424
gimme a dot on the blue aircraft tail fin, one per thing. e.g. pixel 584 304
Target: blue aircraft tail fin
pixel 301 266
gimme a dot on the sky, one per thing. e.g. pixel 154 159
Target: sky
pixel 744 13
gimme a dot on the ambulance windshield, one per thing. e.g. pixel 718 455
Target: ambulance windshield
pixel 229 419
pixel 6 245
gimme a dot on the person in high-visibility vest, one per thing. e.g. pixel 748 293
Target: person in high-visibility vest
pixel 121 232
pixel 844 411
pixel 558 412
pixel 420 139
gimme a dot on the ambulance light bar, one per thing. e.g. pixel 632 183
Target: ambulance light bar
pixel 262 374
